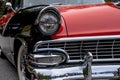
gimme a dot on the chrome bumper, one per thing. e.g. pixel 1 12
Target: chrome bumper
pixel 86 71
pixel 105 72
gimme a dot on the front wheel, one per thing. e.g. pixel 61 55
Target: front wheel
pixel 2 54
pixel 21 63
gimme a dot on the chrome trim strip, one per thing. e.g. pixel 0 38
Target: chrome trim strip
pixel 96 60
pixel 41 54
pixel 52 8
pixel 82 38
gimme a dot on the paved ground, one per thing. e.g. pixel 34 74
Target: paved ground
pixel 7 70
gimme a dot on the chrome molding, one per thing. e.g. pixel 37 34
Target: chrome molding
pixel 82 38
pixel 48 53
pixel 98 54
pixel 51 8
pixel 54 49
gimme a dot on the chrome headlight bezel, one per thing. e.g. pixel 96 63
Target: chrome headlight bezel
pixel 48 21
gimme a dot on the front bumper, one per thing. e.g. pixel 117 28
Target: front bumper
pixel 85 71
pixel 106 67
pixel 106 72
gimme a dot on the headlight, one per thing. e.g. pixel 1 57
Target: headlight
pixel 49 21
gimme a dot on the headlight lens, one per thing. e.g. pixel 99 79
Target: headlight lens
pixel 49 23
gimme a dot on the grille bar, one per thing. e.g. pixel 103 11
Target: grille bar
pixel 104 48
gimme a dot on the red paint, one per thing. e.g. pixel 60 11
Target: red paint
pixel 62 32
pixel 90 20
pixel 5 18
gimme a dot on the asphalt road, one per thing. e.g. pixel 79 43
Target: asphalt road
pixel 7 70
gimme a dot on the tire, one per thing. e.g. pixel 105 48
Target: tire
pixel 2 54
pixel 20 63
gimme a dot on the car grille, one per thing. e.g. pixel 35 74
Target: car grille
pixel 102 48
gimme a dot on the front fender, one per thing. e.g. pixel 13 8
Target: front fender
pixel 19 40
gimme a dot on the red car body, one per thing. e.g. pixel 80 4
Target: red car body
pixel 89 20
pixel 60 42
pixel 4 19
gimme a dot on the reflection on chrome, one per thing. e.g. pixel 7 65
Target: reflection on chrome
pixel 67 73
pixel 87 71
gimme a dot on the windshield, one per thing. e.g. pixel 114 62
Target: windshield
pixel 28 3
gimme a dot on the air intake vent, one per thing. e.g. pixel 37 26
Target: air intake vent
pixel 103 49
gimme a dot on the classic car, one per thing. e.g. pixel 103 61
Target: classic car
pixel 7 13
pixel 63 40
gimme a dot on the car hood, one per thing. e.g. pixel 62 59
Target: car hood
pixel 91 20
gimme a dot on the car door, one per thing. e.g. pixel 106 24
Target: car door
pixel 8 35
pixel 5 40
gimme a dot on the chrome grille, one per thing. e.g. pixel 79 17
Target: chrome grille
pixel 102 48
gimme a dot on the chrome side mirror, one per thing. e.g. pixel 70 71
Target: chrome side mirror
pixel 8 4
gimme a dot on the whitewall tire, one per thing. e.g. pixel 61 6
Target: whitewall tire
pixel 20 63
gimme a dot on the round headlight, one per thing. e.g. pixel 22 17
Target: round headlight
pixel 49 22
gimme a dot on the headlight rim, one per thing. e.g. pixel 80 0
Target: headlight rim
pixel 51 10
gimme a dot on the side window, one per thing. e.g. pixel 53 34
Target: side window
pixel 17 4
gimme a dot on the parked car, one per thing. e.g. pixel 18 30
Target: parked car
pixel 7 13
pixel 63 40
